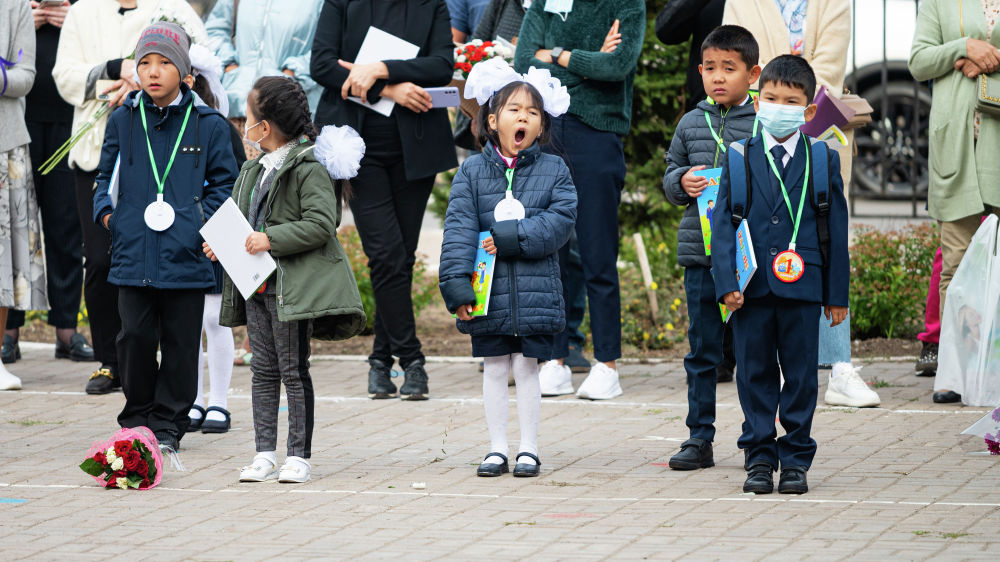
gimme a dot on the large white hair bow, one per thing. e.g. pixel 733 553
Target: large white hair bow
pixel 490 76
pixel 340 150
pixel 205 63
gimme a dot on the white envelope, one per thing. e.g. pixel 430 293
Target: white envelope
pixel 226 233
pixel 380 46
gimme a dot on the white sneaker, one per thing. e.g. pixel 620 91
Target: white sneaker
pixel 555 379
pixel 10 382
pixel 263 468
pixel 600 384
pixel 847 389
pixel 294 471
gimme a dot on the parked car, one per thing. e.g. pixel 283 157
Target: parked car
pixel 889 147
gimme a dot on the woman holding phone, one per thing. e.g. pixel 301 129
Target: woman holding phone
pixel 405 151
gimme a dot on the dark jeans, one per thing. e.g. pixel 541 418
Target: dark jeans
pixel 705 334
pixel 576 295
pixel 388 210
pixel 101 296
pixel 60 228
pixel 159 396
pixel 597 162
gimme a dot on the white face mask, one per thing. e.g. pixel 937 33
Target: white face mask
pixel 560 7
pixel 253 144
pixel 526 4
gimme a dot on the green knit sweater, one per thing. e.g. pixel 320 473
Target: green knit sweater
pixel 600 84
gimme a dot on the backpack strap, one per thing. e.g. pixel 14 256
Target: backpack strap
pixel 739 181
pixel 821 195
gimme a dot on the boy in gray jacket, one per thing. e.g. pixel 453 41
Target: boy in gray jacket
pixel 728 67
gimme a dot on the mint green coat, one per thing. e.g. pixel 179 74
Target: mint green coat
pixel 964 174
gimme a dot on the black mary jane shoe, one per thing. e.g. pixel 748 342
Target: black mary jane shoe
pixel 213 426
pixel 523 470
pixel 947 397
pixel 195 424
pixel 492 469
pixel 759 479
pixel 793 481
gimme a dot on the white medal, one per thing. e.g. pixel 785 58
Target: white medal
pixel 508 209
pixel 159 214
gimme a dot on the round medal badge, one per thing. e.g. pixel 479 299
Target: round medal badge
pixel 159 214
pixel 788 266
pixel 508 209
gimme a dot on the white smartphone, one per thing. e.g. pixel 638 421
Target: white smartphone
pixel 445 96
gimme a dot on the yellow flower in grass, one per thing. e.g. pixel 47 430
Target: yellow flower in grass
pixel 654 286
pixel 670 326
pixel 677 302
pixel 645 336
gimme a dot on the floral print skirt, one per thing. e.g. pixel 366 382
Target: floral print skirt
pixel 22 264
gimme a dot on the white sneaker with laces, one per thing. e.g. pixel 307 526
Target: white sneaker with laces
pixel 10 382
pixel 555 379
pixel 846 388
pixel 294 471
pixel 600 384
pixel 262 468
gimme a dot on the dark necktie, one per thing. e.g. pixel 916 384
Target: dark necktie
pixel 778 153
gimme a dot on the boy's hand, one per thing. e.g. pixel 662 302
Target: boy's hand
pixel 106 219
pixel 733 301
pixel 693 185
pixel 257 242
pixel 489 246
pixel 208 251
pixel 464 312
pixel 835 314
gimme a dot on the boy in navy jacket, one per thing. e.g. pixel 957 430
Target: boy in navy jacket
pixel 728 68
pixel 786 185
pixel 175 168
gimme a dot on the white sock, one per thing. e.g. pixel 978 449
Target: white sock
pixel 221 352
pixel 194 414
pixel 529 403
pixel 269 455
pixel 495 399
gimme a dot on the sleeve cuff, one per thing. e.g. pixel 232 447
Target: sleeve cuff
pixel 114 68
pixel 456 292
pixel 505 238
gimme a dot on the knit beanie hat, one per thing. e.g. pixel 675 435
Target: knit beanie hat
pixel 169 40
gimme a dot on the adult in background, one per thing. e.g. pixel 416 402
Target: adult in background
pixel 49 121
pixel 502 18
pixel 818 31
pixel 954 43
pixel 681 20
pixel 22 271
pixel 404 152
pixel 465 16
pixel 567 40
pixel 97 39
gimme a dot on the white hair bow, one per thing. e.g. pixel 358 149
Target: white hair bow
pixel 205 63
pixel 490 76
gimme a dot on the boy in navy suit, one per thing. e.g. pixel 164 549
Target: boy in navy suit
pixel 788 188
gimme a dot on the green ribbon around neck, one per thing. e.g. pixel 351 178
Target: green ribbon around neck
pixel 160 182
pixel 796 216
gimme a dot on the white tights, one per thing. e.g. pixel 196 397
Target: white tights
pixel 496 397
pixel 220 358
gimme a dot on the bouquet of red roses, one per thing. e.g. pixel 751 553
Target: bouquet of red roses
pixel 130 459
pixel 476 51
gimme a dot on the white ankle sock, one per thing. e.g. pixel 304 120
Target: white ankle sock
pixel 269 455
pixel 215 415
pixel 495 399
pixel 194 414
pixel 529 403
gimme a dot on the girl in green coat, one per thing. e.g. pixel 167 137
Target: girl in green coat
pixel 291 197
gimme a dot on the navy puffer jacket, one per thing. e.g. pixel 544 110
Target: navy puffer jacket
pixel 526 298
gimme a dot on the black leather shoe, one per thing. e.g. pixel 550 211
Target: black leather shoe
pixel 11 350
pixel 927 363
pixel 213 426
pixel 759 479
pixel 724 373
pixel 694 454
pixel 576 362
pixel 947 397
pixel 493 469
pixel 103 381
pixel 380 384
pixel 525 469
pixel 169 441
pixel 78 349
pixel 415 384
pixel 195 424
pixel 793 481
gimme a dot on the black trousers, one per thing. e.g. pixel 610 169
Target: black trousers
pixel 60 227
pixel 101 296
pixel 388 210
pixel 159 396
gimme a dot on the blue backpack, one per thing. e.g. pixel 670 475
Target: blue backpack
pixel 741 195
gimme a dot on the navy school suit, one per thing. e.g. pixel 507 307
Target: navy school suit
pixel 779 322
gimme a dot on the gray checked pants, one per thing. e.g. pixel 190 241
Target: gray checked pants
pixel 280 355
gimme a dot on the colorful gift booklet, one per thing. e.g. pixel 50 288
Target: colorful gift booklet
pixel 482 276
pixel 706 204
pixel 746 262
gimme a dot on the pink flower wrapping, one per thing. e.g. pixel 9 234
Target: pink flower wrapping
pixel 145 436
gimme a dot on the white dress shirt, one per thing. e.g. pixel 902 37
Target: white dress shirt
pixel 789 145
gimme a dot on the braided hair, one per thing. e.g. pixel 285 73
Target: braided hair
pixel 282 102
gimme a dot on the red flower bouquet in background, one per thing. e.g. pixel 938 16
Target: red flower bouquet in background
pixel 476 51
pixel 130 459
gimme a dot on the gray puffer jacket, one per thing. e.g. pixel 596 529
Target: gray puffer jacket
pixel 526 296
pixel 694 145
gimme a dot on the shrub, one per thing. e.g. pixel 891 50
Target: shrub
pixel 890 272
pixel 638 326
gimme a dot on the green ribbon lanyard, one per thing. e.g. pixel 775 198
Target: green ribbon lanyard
pixel 796 217
pixel 160 182
pixel 718 137
pixel 510 181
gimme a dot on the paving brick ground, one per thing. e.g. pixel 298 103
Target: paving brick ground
pixel 896 482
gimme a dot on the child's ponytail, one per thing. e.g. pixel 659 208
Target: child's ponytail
pixel 282 102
